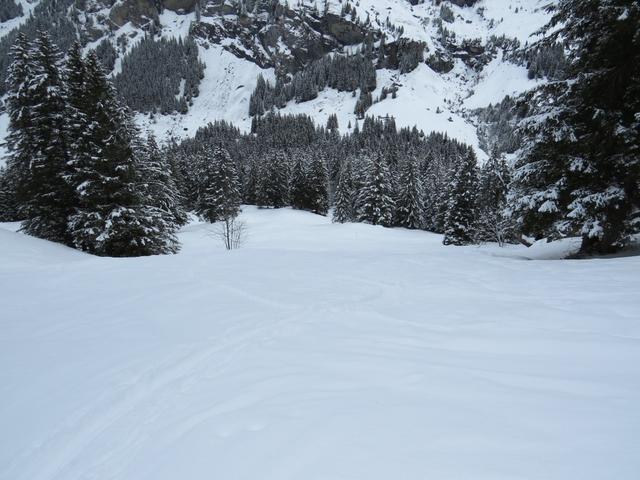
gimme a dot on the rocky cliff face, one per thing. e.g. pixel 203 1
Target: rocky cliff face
pixel 286 39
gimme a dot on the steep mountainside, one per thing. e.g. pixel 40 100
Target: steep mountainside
pixel 433 64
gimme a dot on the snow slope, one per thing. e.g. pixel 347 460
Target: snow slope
pixel 229 81
pixel 498 80
pixel 317 351
pixel 224 95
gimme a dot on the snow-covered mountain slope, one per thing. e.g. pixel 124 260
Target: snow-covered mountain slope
pixel 430 100
pixel 234 55
pixel 317 351
pixel 10 24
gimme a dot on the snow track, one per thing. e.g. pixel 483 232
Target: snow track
pixel 317 351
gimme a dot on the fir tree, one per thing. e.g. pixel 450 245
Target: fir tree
pixel 9 209
pixel 117 214
pixel 299 186
pixel 461 215
pixel 250 182
pixel 494 224
pixel 332 122
pixel 159 186
pixel 318 182
pixel 376 205
pixel 158 213
pixel 219 198
pixel 20 137
pixel 579 174
pixel 273 185
pixel 344 210
pixel 410 199
pixel 47 199
pixel 80 121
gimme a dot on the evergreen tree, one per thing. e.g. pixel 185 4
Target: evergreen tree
pixel 13 178
pixel 160 186
pixel 20 135
pixel 299 187
pixel 219 198
pixel 80 121
pixel 9 210
pixel 410 199
pixel 318 183
pixel 344 210
pixel 580 173
pixel 494 224
pixel 332 122
pixel 250 182
pixel 47 199
pixel 157 213
pixel 376 205
pixel 461 215
pixel 117 214
pixel 273 184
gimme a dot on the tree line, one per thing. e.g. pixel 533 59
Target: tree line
pixel 377 174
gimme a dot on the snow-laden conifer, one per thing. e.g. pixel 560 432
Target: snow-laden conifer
pixel 46 198
pixel 375 199
pixel 219 197
pixel 344 201
pixel 578 174
pixel 461 214
pixel 410 197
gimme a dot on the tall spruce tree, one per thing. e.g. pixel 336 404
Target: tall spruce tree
pixel 82 150
pixel 219 197
pixel 19 139
pixel 318 184
pixel 580 173
pixel 116 214
pixel 157 214
pixel 494 223
pixel 161 186
pixel 47 199
pixel 375 199
pixel 410 198
pixel 461 215
pixel 273 185
pixel 9 207
pixel 299 185
pixel 344 201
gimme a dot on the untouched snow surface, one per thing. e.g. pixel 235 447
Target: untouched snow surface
pixel 317 351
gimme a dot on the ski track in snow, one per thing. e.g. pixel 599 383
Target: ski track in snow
pixel 317 351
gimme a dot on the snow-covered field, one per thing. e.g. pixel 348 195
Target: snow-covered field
pixel 317 351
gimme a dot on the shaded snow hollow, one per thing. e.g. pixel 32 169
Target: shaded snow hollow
pixel 317 351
